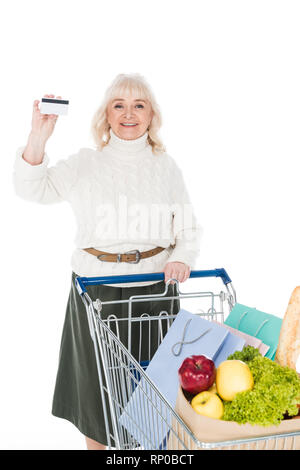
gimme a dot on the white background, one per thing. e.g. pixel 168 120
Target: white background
pixel 226 76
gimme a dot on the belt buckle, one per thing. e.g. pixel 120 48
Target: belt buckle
pixel 137 257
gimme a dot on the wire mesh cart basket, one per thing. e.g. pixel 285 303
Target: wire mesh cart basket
pixel 152 423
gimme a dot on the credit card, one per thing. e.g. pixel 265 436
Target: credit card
pixel 54 106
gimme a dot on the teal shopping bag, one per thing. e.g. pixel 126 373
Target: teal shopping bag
pixel 261 325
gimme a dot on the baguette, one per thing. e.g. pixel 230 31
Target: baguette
pixel 288 350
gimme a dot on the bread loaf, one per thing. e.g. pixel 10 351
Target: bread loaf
pixel 288 350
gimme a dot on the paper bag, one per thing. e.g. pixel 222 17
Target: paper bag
pixel 211 431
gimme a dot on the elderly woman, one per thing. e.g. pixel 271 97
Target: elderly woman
pixel 134 216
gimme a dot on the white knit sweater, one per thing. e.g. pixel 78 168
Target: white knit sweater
pixel 123 198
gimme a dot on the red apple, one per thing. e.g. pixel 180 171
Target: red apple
pixel 196 374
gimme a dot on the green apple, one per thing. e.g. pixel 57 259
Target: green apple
pixel 208 404
pixel 233 376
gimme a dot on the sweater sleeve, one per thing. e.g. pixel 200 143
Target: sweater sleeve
pixel 43 184
pixel 186 230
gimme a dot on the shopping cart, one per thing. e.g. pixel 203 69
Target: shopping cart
pixel 153 424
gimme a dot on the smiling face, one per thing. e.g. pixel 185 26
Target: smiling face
pixel 130 110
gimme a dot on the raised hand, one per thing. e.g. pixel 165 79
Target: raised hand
pixel 42 125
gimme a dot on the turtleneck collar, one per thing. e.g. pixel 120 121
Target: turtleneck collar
pixel 128 149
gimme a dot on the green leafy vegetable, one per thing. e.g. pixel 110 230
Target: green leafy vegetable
pixel 276 392
pixel 247 354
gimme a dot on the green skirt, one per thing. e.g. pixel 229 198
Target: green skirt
pixel 77 395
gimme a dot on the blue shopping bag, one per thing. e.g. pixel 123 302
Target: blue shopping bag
pixel 202 337
pixel 146 416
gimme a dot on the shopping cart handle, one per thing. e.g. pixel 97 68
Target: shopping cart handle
pixel 82 282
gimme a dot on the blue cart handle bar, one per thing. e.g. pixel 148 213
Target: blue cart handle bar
pixel 82 282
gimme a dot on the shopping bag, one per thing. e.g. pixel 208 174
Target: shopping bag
pixel 231 344
pixel 261 325
pixel 188 335
pixel 249 340
pixel 146 415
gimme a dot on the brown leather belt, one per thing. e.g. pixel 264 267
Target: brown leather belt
pixel 133 256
